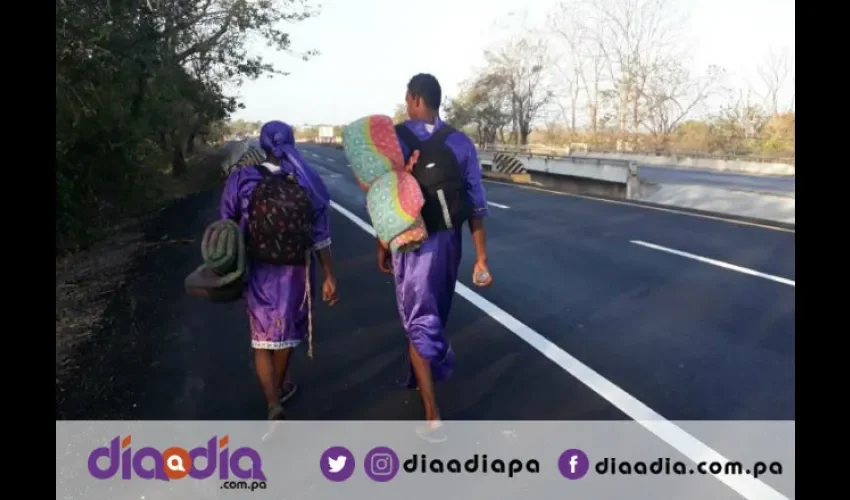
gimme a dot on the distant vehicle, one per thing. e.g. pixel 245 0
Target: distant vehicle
pixel 326 135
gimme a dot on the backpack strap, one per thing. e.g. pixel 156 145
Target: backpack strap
pixel 264 171
pixel 408 137
pixel 441 134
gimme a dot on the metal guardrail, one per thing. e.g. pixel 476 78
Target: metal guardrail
pixel 590 160
pixel 696 155
pixel 520 151
pixel 587 160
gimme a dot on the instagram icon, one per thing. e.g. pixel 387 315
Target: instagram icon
pixel 381 464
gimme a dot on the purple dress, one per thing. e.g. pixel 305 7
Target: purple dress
pixel 276 298
pixel 425 279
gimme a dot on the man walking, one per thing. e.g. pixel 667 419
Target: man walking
pixel 445 162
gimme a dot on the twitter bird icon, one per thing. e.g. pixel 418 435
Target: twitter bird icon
pixel 337 463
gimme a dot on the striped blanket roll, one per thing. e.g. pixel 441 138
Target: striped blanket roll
pixel 393 197
pixel 254 156
pixel 372 148
pixel 394 201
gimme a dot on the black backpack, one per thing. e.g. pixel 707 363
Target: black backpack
pixel 447 203
pixel 280 219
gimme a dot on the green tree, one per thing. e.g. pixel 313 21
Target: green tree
pixel 138 83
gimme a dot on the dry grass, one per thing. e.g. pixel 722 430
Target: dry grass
pixel 87 281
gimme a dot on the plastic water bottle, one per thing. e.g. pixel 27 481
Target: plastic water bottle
pixel 481 277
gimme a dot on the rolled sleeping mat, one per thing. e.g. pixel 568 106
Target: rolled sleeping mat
pixel 394 202
pixel 253 156
pixel 372 148
pixel 222 275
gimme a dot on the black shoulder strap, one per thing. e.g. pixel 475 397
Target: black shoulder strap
pixel 264 171
pixel 408 137
pixel 441 134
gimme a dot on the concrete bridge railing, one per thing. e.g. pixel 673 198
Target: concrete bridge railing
pixel 582 175
pixel 756 166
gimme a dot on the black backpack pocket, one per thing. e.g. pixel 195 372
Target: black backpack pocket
pixel 447 206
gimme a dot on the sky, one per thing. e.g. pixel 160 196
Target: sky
pixel 371 48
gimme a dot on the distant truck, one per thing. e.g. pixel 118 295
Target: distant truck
pixel 326 135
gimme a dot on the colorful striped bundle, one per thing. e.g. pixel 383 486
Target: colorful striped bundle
pixel 393 196
pixel 393 202
pixel 372 148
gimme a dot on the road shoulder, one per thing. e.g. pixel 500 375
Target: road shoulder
pixel 95 306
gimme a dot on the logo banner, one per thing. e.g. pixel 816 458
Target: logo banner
pixel 412 461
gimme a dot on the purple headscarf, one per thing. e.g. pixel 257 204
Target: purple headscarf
pixel 278 139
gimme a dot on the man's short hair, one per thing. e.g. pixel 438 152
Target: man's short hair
pixel 428 88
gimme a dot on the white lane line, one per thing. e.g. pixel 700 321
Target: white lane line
pixel 330 159
pixel 697 451
pixel 671 210
pixel 314 155
pixel 718 263
pixel 497 205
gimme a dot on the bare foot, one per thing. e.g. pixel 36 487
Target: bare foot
pixel 432 432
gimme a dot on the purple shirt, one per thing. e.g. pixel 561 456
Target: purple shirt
pixel 274 294
pixel 425 278
pixel 467 157
pixel 237 194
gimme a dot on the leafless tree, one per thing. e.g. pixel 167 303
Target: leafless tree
pixel 773 72
pixel 638 39
pixel 627 63
pixel 518 68
pixel 569 88
pixel 400 113
pixel 741 120
pixel 573 25
pixel 671 95
pixel 793 94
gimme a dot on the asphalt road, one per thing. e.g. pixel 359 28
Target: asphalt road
pixel 760 183
pixel 595 314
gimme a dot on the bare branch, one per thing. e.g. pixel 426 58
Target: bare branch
pixel 671 96
pixel 773 72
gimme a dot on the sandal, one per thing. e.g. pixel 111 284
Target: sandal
pixel 276 413
pixel 289 389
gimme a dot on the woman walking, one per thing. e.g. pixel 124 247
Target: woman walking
pixel 287 230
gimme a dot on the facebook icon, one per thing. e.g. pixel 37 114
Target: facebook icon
pixel 573 464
